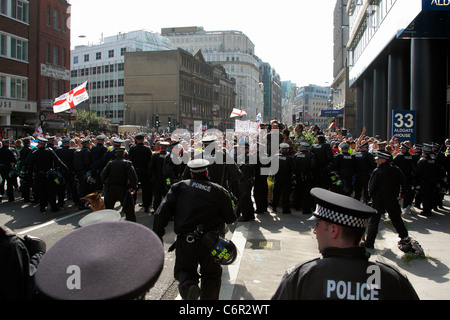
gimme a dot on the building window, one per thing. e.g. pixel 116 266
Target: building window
pixel 98 56
pixel 2 86
pixel 55 55
pixel 122 51
pixel 56 19
pixel 75 59
pixel 86 58
pixel 111 54
pixel 4 7
pixel 19 88
pixel 19 49
pixel 48 19
pixel 3 45
pixel 19 10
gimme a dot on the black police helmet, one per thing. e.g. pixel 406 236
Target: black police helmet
pixel 222 250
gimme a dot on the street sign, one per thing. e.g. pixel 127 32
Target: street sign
pixel 404 125
pixel 307 117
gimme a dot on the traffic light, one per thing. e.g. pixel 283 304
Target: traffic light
pixel 169 120
pixel 157 120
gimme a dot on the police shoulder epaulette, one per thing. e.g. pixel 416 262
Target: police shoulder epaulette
pixel 293 269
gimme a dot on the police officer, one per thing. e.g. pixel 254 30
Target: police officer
pixel 344 272
pixel 19 259
pixel 344 165
pixel 199 206
pixel 140 155
pixel 97 152
pixel 82 166
pixel 365 164
pixel 119 177
pixel 283 178
pixel 387 183
pixel 405 161
pixel 25 180
pixel 43 164
pixel 324 158
pixel 428 175
pixel 7 163
pixel 261 188
pixel 156 167
pixel 247 165
pixel 305 164
pixel 65 153
pixel 222 167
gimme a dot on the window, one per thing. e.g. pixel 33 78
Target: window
pixel 19 10
pixel 111 54
pixel 48 18
pixel 86 58
pixel 75 59
pixel 2 86
pixel 19 49
pixel 3 44
pixel 19 88
pixel 55 55
pixel 4 6
pixel 56 19
pixel 98 56
pixel 122 51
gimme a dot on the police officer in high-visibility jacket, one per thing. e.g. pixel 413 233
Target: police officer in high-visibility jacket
pixel 344 272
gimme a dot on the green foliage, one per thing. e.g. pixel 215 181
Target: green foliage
pixel 90 121
pixel 305 137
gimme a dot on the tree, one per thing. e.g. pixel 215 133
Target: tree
pixel 88 121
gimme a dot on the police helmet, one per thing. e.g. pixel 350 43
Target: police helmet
pixel 222 250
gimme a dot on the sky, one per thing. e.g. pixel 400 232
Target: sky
pixel 294 36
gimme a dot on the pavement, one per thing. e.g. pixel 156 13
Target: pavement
pixel 274 242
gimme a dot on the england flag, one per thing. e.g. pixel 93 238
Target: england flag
pixel 70 99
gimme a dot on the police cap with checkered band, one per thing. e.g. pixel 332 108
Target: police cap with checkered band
pixel 339 209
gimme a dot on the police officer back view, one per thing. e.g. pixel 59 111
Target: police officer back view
pixel 345 166
pixel 365 164
pixel 324 157
pixel 82 165
pixel 43 163
pixel 344 272
pixel 283 178
pixel 7 160
pixel 119 177
pixel 304 167
pixel 140 155
pixel 405 161
pixel 195 203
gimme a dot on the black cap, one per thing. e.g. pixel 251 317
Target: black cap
pixel 339 209
pixel 139 136
pixel 112 260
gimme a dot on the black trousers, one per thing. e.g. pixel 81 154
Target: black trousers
pixel 283 189
pixel 361 187
pixel 392 207
pixel 260 193
pixel 116 193
pixel 46 190
pixel 302 196
pixel 245 200
pixel 188 256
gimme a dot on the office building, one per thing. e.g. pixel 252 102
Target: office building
pixel 232 49
pixel 34 64
pixel 398 59
pixel 180 89
pixel 102 66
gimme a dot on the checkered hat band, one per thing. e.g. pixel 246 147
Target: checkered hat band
pixel 341 218
pixel 199 170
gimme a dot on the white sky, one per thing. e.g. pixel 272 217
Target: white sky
pixel 294 36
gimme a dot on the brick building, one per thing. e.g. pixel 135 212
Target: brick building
pixel 34 64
